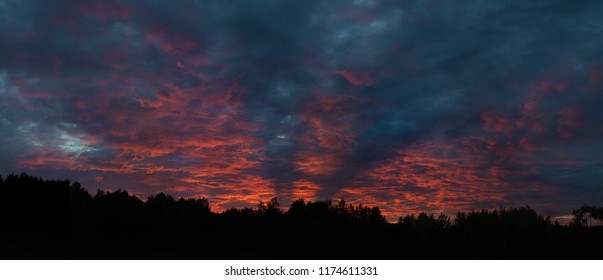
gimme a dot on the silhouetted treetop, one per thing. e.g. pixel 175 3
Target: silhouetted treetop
pixel 110 223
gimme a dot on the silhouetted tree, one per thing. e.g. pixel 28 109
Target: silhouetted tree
pixel 586 212
pixel 38 216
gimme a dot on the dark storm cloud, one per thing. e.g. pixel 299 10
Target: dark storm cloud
pixel 419 105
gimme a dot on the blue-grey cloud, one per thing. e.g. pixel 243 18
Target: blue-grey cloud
pixel 416 105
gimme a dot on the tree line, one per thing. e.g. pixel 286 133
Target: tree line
pixel 57 219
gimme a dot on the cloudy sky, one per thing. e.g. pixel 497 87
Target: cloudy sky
pixel 407 105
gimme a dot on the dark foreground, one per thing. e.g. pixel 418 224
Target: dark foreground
pixel 57 220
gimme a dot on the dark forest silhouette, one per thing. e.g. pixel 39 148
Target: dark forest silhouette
pixel 44 219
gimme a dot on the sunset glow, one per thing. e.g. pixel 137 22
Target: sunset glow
pixel 404 106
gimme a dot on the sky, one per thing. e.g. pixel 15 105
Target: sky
pixel 411 106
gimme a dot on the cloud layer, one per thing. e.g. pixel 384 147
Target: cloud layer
pixel 412 106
